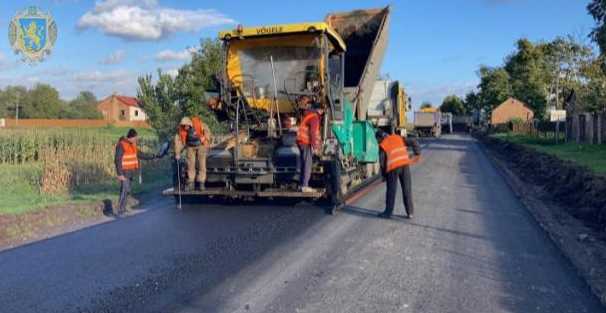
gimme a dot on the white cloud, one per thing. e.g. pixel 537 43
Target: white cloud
pixel 147 20
pixel 171 55
pixel 102 77
pixel 102 83
pixel 113 58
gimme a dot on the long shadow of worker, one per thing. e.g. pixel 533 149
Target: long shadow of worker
pixel 362 212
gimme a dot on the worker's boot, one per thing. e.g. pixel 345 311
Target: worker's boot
pixel 201 187
pixel 307 189
pixel 189 187
pixel 384 215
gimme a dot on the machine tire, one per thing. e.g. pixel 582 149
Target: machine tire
pixel 335 197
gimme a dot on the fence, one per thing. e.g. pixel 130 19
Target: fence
pixel 33 123
pixel 586 128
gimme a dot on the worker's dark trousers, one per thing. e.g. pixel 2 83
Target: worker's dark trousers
pixel 305 163
pixel 124 192
pixel 403 174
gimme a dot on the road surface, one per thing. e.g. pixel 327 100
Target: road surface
pixel 472 247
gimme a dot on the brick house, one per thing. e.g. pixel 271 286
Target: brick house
pixel 121 108
pixel 510 109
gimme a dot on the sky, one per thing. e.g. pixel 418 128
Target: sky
pixel 435 47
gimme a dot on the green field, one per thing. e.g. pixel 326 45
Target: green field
pixel 591 156
pixel 85 153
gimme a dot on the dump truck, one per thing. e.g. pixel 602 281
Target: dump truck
pixel 267 68
pixel 388 106
pixel 428 122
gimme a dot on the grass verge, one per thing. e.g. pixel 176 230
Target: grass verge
pixel 590 156
pixel 20 192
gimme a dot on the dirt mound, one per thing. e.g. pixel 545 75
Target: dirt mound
pixel 579 190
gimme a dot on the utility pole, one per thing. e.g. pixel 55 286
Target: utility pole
pixel 17 111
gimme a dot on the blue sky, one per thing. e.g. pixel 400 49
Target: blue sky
pixel 435 46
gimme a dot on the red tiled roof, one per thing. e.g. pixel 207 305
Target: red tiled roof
pixel 129 101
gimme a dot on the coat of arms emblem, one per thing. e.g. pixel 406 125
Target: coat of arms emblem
pixel 32 33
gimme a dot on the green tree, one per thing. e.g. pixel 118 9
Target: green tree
pixel 494 87
pixel 426 105
pixel 159 100
pixel 471 102
pixel 592 93
pixel 597 9
pixel 566 57
pixel 42 102
pixel 198 76
pixel 9 98
pixel 84 106
pixel 169 99
pixel 453 104
pixel 530 75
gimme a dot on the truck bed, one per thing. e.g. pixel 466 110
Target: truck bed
pixel 426 119
pixel 365 33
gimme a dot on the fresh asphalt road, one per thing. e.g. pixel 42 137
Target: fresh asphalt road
pixel 472 247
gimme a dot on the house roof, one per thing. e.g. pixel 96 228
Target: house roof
pixel 128 101
pixel 512 100
pixel 124 100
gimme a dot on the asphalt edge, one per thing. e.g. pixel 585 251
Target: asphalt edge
pixel 137 207
pixel 531 203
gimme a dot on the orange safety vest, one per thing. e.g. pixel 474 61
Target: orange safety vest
pixel 130 161
pixel 198 128
pixel 304 133
pixel 396 151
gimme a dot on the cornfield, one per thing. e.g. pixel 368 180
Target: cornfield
pixel 69 157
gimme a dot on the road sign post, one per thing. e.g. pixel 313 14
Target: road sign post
pixel 557 116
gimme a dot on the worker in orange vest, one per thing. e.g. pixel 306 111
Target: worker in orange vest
pixel 127 164
pixel 395 164
pixel 309 140
pixel 193 136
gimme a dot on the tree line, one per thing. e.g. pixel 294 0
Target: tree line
pixel 543 74
pixel 43 101
pixel 169 98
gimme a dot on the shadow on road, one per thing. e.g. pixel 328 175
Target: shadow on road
pixel 362 212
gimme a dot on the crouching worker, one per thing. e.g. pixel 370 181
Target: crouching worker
pixel 194 137
pixel 395 165
pixel 127 164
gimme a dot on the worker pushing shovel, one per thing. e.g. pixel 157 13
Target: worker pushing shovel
pixel 395 165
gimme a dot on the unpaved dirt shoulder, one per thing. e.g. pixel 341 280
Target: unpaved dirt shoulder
pixel 54 220
pixel 581 242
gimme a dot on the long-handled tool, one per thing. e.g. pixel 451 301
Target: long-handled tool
pixel 275 99
pixel 179 184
